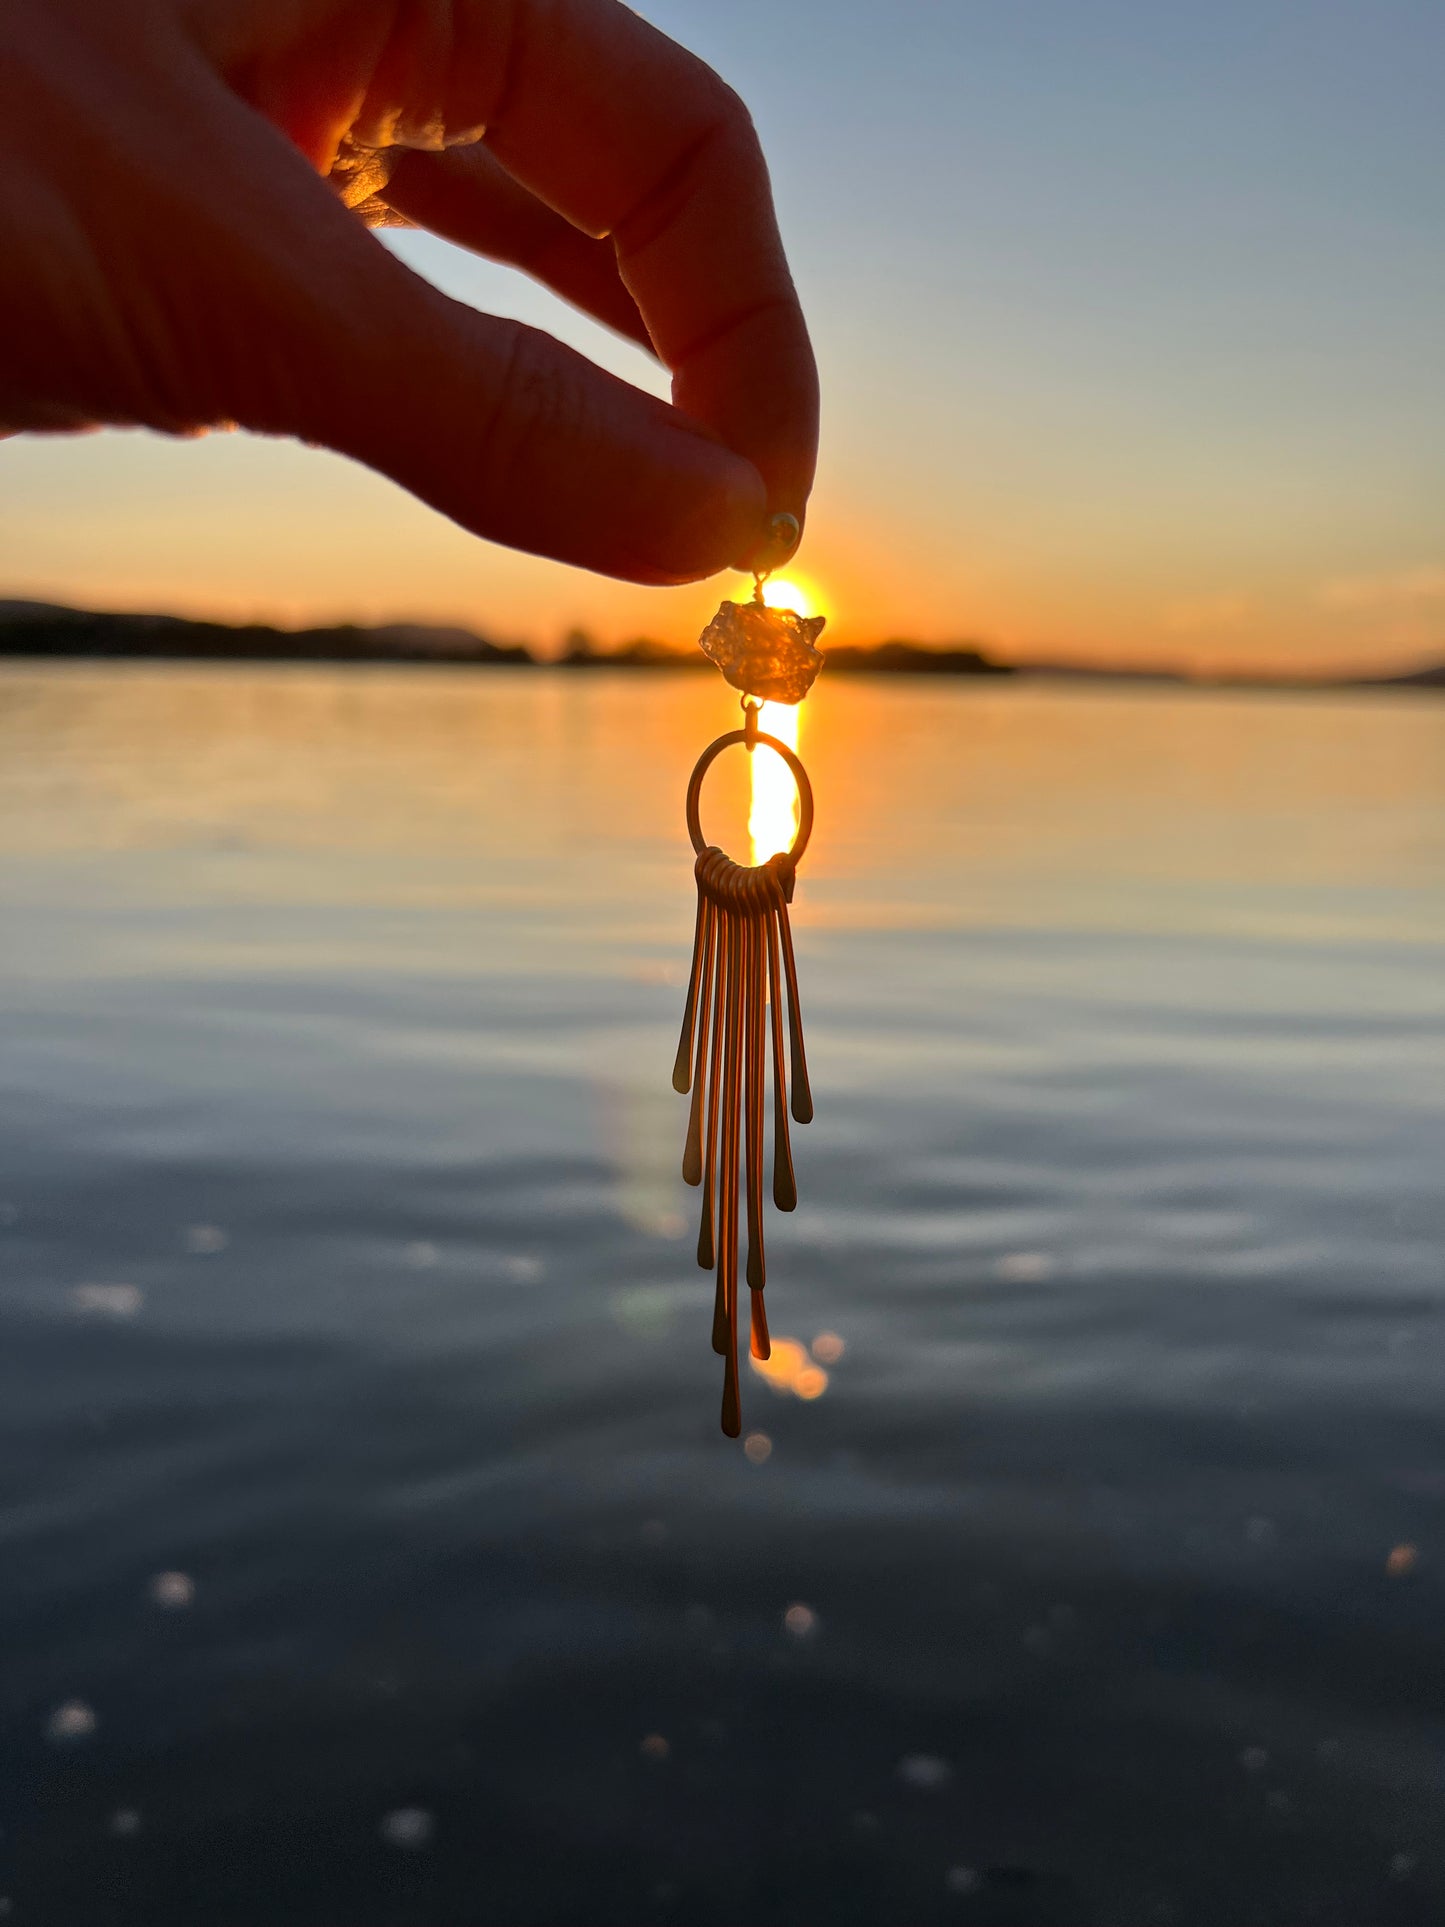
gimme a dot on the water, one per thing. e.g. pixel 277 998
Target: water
pixel 370 1551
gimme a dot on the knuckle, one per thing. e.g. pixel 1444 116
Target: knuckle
pixel 724 122
pixel 732 113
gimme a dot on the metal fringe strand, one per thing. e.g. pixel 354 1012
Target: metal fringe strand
pixel 742 966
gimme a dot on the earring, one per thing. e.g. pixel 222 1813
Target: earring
pixel 743 968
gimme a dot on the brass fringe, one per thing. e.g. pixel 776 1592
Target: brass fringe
pixel 742 932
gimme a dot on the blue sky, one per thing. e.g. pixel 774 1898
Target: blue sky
pixel 1130 321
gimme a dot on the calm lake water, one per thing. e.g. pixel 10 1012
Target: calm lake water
pixel 371 1555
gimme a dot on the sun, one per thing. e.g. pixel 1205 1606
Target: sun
pixel 787 592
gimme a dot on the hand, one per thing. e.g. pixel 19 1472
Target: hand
pixel 180 248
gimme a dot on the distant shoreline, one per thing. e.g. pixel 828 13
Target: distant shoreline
pixel 50 631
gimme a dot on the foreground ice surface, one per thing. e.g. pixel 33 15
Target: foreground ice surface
pixel 1116 1524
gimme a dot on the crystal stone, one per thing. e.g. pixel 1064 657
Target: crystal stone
pixel 767 653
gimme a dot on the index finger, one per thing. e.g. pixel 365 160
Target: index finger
pixel 626 134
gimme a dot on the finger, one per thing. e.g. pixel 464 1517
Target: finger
pixel 467 196
pixel 626 134
pixel 312 328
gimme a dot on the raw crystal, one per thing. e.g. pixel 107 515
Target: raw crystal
pixel 768 653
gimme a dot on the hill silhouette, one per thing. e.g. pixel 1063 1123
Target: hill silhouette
pixel 46 629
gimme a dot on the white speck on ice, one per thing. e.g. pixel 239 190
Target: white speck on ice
pixel 408 1827
pixel 173 1590
pixel 72 1721
pixel 107 1301
pixel 1024 1267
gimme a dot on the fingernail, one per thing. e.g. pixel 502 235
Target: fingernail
pixel 772 547
pixel 780 541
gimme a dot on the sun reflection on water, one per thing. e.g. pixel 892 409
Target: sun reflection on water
pixel 790 1368
pixel 773 815
pixel 773 811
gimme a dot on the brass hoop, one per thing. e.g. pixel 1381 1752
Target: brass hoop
pixel 800 777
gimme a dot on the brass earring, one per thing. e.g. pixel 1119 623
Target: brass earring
pixel 743 968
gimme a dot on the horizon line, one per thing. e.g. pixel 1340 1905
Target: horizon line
pixel 639 651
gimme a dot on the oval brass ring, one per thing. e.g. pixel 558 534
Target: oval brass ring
pixel 800 777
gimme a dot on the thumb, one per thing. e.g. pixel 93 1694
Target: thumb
pixel 512 435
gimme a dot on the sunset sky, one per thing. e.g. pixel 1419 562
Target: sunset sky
pixel 1130 320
